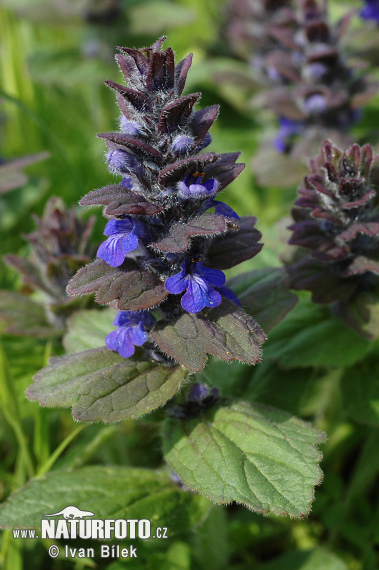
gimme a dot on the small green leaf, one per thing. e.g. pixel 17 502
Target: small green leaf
pixel 311 336
pixel 360 389
pixel 264 295
pixel 100 385
pixel 88 329
pixel 255 455
pixel 108 492
pixel 226 332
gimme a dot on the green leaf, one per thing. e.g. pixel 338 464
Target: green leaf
pixel 100 385
pixel 361 313
pixel 110 493
pixel 25 316
pixel 226 332
pixel 254 455
pixel 88 329
pixel 317 559
pixel 360 389
pixel 311 336
pixel 264 295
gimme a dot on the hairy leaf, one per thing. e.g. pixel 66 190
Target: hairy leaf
pixel 251 454
pixel 100 385
pixel 177 171
pixel 179 236
pixel 235 247
pixel 226 332
pixel 108 492
pixel 133 143
pixel 134 290
pixel 225 170
pixel 120 201
pixel 175 114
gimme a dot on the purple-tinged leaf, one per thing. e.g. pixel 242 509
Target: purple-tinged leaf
pixel 181 71
pixel 120 201
pixel 226 332
pixel 225 170
pixel 28 270
pixel 361 264
pixel 132 288
pixel 161 73
pixel 137 55
pixel 316 276
pixel 264 295
pixel 176 114
pixel 202 121
pixel 100 385
pixel 132 143
pixel 179 236
pixel 356 203
pixel 175 172
pixel 236 246
pixel 367 228
pixel 135 98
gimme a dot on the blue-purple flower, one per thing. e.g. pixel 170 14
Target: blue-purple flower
pixel 221 209
pixel 370 11
pixel 199 282
pixel 120 242
pixel 131 332
pixel 287 130
pixel 193 187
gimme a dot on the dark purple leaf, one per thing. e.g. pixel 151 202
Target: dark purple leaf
pixel 137 55
pixel 161 73
pixel 236 246
pixel 225 170
pixel 135 98
pixel 226 332
pixel 130 142
pixel 177 171
pixel 120 201
pixel 175 114
pixel 181 71
pixel 318 277
pixel 202 121
pixel 179 236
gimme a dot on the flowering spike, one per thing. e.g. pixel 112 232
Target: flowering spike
pixel 160 229
pixel 336 217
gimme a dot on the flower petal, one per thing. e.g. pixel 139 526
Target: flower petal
pixel 111 251
pixel 138 335
pixel 212 276
pixel 177 283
